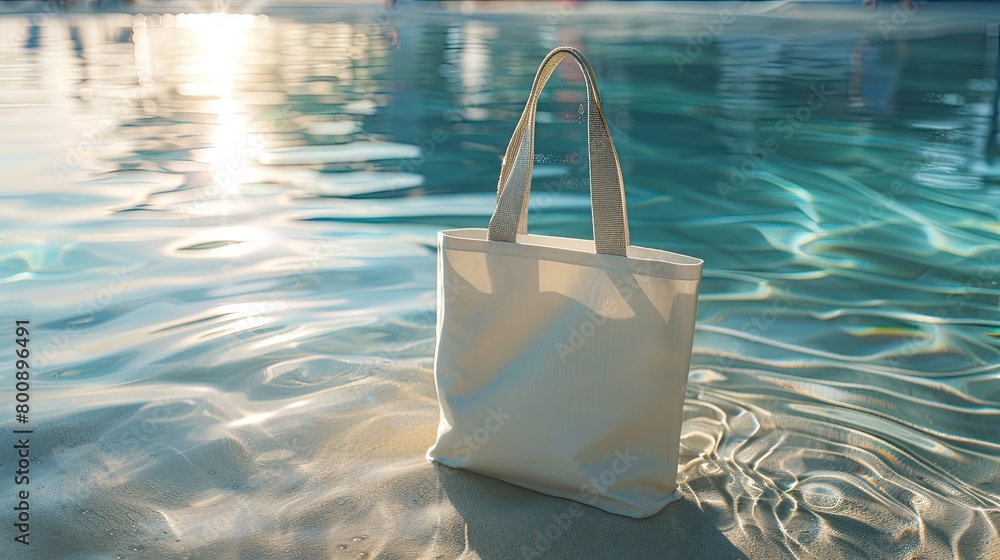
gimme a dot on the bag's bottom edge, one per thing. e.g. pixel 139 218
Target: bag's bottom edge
pixel 603 503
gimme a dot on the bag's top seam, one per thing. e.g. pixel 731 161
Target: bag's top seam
pixel 678 271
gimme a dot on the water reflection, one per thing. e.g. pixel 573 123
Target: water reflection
pixel 225 226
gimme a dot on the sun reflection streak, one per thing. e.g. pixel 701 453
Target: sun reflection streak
pixel 214 73
pixel 221 37
pixel 262 416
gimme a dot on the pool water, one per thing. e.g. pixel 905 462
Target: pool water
pixel 222 229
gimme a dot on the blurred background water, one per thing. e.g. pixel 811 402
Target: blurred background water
pixel 223 230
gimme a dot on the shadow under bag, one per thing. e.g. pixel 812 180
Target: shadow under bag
pixel 561 364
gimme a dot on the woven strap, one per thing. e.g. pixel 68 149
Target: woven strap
pixel 607 195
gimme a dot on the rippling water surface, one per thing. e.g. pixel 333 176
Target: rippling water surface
pixel 222 229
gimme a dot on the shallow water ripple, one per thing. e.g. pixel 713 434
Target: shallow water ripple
pixel 223 230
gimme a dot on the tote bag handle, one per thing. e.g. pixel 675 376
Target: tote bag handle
pixel 607 194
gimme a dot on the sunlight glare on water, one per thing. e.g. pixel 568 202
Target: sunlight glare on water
pixel 223 229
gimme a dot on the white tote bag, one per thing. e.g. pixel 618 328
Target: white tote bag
pixel 561 363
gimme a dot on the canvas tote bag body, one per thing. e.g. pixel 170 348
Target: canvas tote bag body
pixel 561 364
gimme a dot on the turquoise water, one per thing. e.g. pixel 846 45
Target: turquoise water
pixel 222 230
